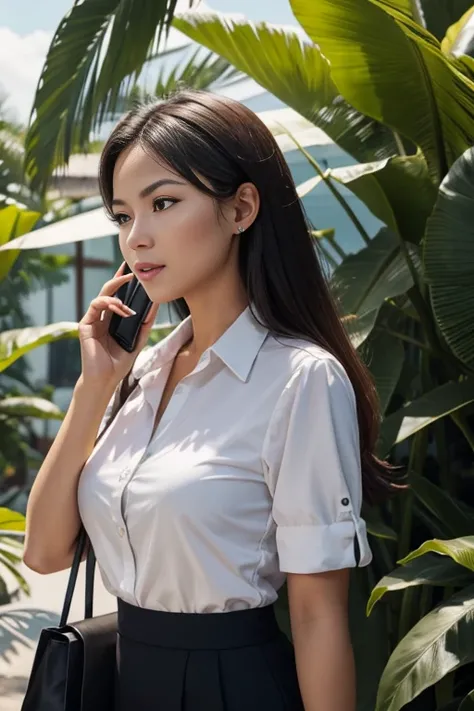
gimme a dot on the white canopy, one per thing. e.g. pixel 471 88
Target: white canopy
pixel 87 225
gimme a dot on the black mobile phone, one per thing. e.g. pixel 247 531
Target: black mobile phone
pixel 125 330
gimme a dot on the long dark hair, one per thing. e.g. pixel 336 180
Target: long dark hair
pixel 228 144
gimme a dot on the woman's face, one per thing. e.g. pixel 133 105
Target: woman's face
pixel 167 223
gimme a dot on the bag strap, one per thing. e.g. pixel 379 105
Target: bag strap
pixel 125 390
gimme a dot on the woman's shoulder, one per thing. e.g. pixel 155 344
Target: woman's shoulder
pixel 298 356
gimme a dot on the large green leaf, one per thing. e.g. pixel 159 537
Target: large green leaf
pixel 363 281
pixel 449 258
pixel 98 46
pixel 14 222
pixel 456 520
pixel 420 413
pixel 439 643
pixel 461 550
pixel 30 407
pixel 397 190
pixel 384 355
pixel 431 569
pixel 284 63
pixel 439 15
pixel 395 72
pixel 11 520
pixel 459 37
pixel 15 343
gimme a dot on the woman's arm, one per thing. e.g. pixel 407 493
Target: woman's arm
pixel 52 516
pixel 320 629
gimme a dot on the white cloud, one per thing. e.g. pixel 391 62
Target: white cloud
pixel 21 61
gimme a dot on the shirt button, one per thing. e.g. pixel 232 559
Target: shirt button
pixel 124 474
pixel 121 531
pixel 345 502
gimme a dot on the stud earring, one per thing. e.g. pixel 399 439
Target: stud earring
pixel 240 229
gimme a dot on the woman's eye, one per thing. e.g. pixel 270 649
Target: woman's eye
pixel 161 204
pixel 121 218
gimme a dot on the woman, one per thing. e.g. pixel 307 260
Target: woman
pixel 240 458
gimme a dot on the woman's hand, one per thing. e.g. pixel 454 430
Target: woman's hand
pixel 103 360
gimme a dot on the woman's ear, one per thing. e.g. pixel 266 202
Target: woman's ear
pixel 246 207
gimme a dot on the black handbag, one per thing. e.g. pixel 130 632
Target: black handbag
pixel 74 664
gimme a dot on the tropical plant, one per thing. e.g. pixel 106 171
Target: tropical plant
pixel 406 296
pixel 14 186
pixel 199 70
pixel 81 83
pixel 377 78
pixel 12 524
pixel 19 401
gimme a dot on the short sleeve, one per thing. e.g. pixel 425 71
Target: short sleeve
pixel 312 465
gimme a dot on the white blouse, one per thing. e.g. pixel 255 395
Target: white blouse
pixel 253 472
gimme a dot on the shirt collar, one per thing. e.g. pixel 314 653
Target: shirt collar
pixel 237 348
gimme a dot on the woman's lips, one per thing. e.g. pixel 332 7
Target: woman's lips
pixel 149 274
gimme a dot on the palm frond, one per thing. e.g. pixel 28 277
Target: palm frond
pixel 97 53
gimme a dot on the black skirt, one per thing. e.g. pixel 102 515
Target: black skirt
pixel 230 661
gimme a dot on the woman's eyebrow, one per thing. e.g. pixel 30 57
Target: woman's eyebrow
pixel 150 188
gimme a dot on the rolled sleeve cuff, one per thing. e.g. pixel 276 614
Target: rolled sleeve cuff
pixel 316 549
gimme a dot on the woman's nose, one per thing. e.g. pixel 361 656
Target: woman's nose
pixel 139 235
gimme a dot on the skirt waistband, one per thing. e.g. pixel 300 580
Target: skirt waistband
pixel 183 630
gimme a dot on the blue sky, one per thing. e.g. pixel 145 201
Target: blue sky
pixel 25 16
pixel 26 28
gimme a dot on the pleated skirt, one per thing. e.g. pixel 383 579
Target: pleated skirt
pixel 232 661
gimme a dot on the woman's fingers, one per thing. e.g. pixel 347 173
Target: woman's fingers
pixel 105 303
pixel 111 287
pixel 119 271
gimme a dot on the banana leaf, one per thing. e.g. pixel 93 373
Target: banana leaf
pixel 397 190
pixel 364 280
pixel 448 258
pixel 382 62
pixel 439 15
pixel 30 407
pixel 420 413
pixel 15 343
pixel 461 550
pixel 456 520
pixel 384 355
pixel 11 520
pixel 459 37
pixel 283 62
pixel 431 569
pixel 439 643
pixel 14 222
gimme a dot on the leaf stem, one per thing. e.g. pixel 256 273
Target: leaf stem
pixel 325 176
pixel 336 246
pixel 399 142
pixel 404 337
